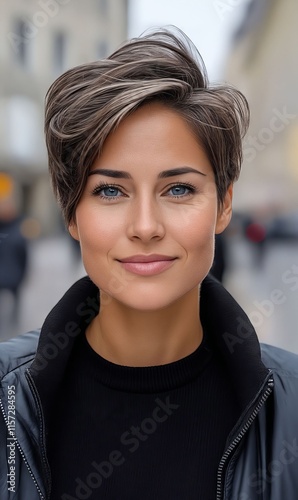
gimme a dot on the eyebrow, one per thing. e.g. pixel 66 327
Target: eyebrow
pixel 120 174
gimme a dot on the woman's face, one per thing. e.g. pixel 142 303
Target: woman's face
pixel 151 195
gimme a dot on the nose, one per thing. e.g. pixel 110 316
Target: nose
pixel 145 220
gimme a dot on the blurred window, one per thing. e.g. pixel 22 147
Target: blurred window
pixel 102 50
pixel 21 42
pixel 59 51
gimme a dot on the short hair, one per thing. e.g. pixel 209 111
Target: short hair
pixel 86 103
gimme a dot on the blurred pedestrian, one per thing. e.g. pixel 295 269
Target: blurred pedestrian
pixel 13 255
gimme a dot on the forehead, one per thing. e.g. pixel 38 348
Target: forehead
pixel 153 136
pixel 154 119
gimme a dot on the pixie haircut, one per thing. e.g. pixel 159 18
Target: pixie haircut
pixel 87 103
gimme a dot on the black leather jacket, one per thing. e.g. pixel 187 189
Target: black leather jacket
pixel 261 456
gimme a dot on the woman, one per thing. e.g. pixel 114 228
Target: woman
pixel 146 380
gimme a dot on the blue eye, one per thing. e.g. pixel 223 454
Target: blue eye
pixel 110 191
pixel 181 190
pixel 107 191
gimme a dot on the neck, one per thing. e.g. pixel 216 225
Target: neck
pixel 147 338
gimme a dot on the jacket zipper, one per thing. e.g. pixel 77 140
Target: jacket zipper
pixel 237 439
pixel 21 452
pixel 38 404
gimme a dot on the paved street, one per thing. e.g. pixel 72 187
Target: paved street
pixel 268 293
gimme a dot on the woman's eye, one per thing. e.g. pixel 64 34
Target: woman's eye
pixel 106 191
pixel 109 191
pixel 181 190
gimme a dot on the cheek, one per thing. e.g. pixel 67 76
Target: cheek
pixel 195 226
pixel 197 239
pixel 97 229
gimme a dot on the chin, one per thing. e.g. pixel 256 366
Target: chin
pixel 144 302
pixel 151 299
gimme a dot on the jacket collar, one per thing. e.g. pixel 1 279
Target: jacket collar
pixel 223 320
pixel 234 338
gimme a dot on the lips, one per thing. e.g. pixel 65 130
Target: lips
pixel 147 265
pixel 147 258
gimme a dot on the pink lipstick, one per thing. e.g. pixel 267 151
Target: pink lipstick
pixel 147 265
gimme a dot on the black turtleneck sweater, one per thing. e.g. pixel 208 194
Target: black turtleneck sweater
pixel 131 433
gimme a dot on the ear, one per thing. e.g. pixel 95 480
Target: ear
pixel 225 213
pixel 73 230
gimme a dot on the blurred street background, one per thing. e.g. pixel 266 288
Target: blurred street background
pixel 251 44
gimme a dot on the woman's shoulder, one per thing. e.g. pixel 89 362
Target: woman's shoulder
pixel 17 351
pixel 280 360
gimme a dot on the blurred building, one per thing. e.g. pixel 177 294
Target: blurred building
pixel 42 39
pixel 263 63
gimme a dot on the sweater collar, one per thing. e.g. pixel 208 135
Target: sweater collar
pixel 229 331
